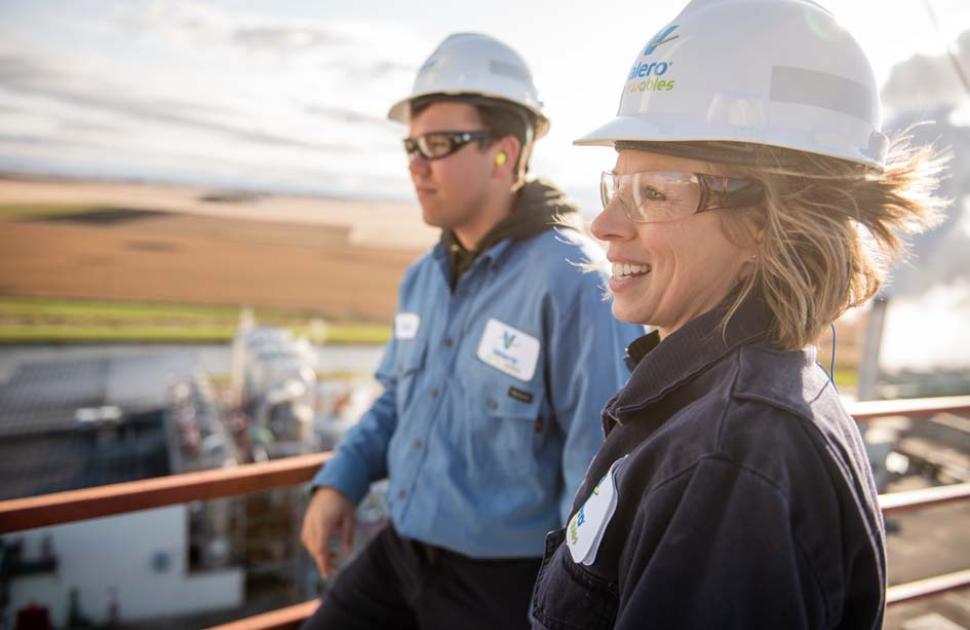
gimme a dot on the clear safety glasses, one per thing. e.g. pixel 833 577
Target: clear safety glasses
pixel 662 196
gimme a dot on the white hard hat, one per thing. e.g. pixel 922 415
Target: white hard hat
pixel 782 73
pixel 475 65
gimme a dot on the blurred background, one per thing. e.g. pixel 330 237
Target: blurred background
pixel 204 216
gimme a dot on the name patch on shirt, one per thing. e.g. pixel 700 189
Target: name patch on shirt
pixel 509 350
pixel 518 394
pixel 585 530
pixel 406 325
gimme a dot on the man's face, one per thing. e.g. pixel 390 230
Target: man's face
pixel 451 189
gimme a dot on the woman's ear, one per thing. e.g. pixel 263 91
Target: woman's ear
pixel 758 233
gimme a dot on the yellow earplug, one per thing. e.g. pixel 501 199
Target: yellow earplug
pixel 500 159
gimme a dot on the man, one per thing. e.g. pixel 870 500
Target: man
pixel 503 355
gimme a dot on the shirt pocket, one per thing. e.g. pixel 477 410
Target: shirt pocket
pixel 408 365
pixel 502 421
pixel 568 597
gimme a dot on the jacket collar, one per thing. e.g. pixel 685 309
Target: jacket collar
pixel 538 206
pixel 662 366
pixel 441 254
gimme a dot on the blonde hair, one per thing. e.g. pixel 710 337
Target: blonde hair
pixel 828 231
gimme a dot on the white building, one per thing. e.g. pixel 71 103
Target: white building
pixel 136 561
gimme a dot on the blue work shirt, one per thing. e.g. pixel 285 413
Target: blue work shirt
pixel 492 396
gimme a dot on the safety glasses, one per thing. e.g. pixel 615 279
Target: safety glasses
pixel 439 144
pixel 663 196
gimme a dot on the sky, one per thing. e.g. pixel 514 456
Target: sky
pixel 292 96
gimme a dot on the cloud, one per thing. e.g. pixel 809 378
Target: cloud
pixel 25 75
pixel 199 89
pixel 378 69
pixel 71 125
pixel 176 20
pixel 284 38
pixel 941 256
pixel 195 23
pixel 18 69
pixel 922 94
pixel 925 82
pixel 357 70
pixel 348 116
pixel 41 141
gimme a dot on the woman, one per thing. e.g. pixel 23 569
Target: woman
pixel 733 490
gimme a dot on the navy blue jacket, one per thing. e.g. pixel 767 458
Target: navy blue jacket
pixel 744 497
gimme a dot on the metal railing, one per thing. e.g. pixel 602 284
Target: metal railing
pixel 282 618
pixel 866 410
pixel 76 505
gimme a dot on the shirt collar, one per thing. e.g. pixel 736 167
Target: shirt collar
pixel 663 366
pixel 492 255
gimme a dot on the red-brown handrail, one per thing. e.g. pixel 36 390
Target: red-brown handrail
pixel 78 505
pixel 912 499
pixel 926 588
pixel 279 619
pixel 865 410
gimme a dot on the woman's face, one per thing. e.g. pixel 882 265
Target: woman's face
pixel 665 274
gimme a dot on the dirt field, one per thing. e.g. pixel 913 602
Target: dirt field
pixel 343 259
pixel 340 258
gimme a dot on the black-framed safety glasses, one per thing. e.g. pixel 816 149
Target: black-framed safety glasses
pixel 435 145
pixel 663 196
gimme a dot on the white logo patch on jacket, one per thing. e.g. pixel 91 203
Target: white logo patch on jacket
pixel 509 350
pixel 585 530
pixel 406 325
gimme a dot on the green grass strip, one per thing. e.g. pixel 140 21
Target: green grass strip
pixel 343 334
pixel 43 307
pixel 113 334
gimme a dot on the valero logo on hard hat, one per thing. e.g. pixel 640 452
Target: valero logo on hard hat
pixel 427 66
pixel 644 70
pixel 640 70
pixel 662 37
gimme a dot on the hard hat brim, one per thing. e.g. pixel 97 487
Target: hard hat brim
pixel 401 110
pixel 633 129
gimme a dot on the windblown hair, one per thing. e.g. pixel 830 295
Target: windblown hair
pixel 828 231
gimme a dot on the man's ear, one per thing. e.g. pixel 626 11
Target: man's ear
pixel 506 151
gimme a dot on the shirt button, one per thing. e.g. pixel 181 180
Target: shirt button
pixel 449 342
pixel 434 393
pixel 417 444
pixel 400 494
pixel 492 405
